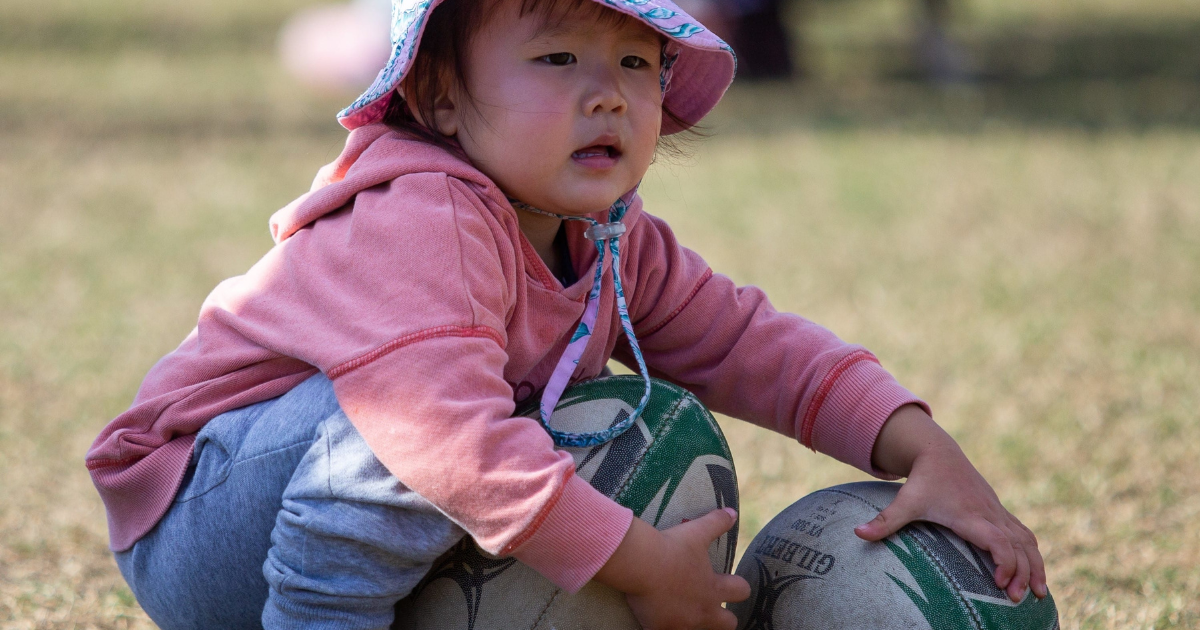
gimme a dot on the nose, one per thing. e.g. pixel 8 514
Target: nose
pixel 604 94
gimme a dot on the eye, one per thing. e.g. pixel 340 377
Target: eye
pixel 635 62
pixel 558 59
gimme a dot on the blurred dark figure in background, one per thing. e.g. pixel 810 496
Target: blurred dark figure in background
pixel 765 50
pixel 938 56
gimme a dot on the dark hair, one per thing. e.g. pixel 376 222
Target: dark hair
pixel 441 58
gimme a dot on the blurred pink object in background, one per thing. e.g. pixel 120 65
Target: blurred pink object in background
pixel 338 46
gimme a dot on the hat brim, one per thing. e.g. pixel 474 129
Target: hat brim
pixel 700 75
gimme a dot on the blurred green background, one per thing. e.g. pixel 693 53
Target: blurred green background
pixel 1022 250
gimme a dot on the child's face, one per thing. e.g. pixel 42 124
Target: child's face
pixel 564 117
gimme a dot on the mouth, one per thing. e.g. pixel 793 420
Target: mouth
pixel 597 151
pixel 604 152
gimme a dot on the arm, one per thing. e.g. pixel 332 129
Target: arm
pixel 943 487
pixel 780 371
pixel 741 357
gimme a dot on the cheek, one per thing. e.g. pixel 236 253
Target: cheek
pixel 647 124
pixel 522 113
pixel 508 96
pixel 517 90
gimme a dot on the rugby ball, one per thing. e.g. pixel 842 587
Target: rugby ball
pixel 672 465
pixel 808 570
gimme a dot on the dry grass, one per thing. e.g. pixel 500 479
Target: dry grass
pixel 1040 287
pixel 1041 290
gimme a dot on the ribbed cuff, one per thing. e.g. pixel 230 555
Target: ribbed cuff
pixel 577 537
pixel 853 414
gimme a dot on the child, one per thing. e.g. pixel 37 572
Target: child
pixel 341 415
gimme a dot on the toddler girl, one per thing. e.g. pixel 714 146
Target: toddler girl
pixel 342 414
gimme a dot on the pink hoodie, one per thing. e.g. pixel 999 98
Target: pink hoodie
pixel 404 277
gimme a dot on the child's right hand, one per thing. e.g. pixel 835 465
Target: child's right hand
pixel 668 579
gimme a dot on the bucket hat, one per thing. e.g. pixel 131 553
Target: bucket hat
pixel 699 65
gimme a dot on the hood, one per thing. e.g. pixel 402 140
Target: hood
pixel 374 154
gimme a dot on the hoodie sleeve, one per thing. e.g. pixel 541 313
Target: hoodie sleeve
pixel 402 302
pixel 745 359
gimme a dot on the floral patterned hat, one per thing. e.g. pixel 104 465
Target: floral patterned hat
pixel 699 66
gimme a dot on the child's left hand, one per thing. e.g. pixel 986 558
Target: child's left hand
pixel 944 488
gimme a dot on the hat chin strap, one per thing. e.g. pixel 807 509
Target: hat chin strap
pixel 670 54
pixel 604 236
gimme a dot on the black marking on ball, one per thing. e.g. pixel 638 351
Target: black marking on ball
pixel 853 496
pixel 469 569
pixel 727 496
pixel 969 576
pixel 621 457
pixel 770 589
pixel 792 552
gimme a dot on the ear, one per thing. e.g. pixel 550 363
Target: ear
pixel 445 110
pixel 446 113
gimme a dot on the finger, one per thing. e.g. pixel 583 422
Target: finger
pixel 1037 574
pixel 713 524
pixel 901 512
pixel 990 538
pixel 1016 587
pixel 725 620
pixel 733 588
pixel 1037 566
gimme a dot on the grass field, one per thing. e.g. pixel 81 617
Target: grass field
pixel 1038 281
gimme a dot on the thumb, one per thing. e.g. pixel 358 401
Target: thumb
pixel 715 523
pixel 888 522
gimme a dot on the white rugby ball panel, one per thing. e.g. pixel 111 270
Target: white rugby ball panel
pixel 808 570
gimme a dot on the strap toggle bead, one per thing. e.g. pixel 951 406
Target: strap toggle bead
pixel 604 231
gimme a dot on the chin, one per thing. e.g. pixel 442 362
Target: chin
pixel 599 201
pixel 578 206
pixel 602 205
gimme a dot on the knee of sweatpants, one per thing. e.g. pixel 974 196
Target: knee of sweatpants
pixel 351 540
